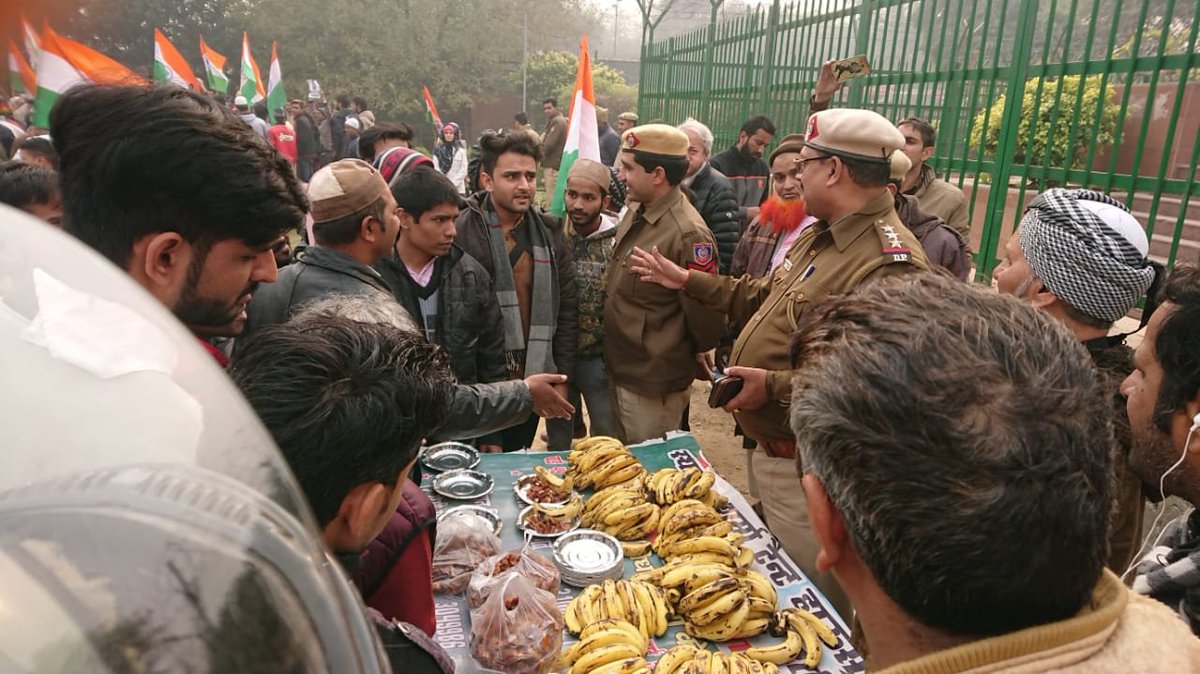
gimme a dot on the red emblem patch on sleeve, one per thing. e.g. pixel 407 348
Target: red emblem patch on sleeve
pixel 703 258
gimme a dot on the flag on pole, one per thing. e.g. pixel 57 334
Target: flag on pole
pixel 252 84
pixel 21 77
pixel 214 66
pixel 65 63
pixel 169 64
pixel 431 113
pixel 276 98
pixel 583 140
pixel 33 43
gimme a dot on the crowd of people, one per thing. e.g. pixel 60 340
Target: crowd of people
pixel 962 471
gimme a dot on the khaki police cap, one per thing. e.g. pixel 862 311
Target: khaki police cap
pixel 628 117
pixel 853 134
pixel 901 164
pixel 793 142
pixel 660 139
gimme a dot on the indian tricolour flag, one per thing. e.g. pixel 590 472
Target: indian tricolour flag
pixel 22 78
pixel 276 98
pixel 431 113
pixel 33 43
pixel 252 84
pixel 65 63
pixel 214 66
pixel 583 140
pixel 169 64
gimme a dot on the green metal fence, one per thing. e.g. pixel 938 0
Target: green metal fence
pixel 1025 94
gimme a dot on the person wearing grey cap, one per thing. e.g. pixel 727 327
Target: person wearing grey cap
pixel 1081 256
pixel 355 224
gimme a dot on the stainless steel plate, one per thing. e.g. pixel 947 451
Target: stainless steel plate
pixel 521 489
pixel 586 551
pixel 490 516
pixel 463 484
pixel 450 456
pixel 533 532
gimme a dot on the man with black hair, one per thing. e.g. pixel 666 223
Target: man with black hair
pixel 443 288
pixel 521 123
pixel 554 139
pixel 37 151
pixel 653 335
pixel 525 251
pixel 355 224
pixel 308 140
pixel 282 137
pixel 382 137
pixel 32 189
pixel 337 125
pixel 743 165
pixel 351 448
pixel 359 105
pixel 955 449
pixel 1163 393
pixel 192 210
pixel 843 172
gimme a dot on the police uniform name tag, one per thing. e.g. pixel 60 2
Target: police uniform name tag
pixel 895 248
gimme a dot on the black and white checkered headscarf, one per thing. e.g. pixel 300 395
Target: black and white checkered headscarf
pixel 1081 258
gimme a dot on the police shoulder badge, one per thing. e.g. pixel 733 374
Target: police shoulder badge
pixel 892 245
pixel 703 258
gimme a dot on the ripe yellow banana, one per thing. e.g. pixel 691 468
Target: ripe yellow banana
pixel 703 544
pixel 626 666
pixel 723 629
pixel 629 632
pixel 603 655
pixel 702 660
pixel 781 653
pixel 693 573
pixel 744 557
pixel 571 618
pixel 707 594
pixel 653 607
pixel 719 664
pixel 752 627
pixel 549 478
pixel 706 558
pixel 761 586
pixel 671 661
pixel 635 549
pixel 722 528
pixel 812 643
pixel 719 608
pixel 699 486
pixel 823 632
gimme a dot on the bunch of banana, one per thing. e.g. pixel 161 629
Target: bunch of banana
pixel 669 485
pixel 561 512
pixel 690 530
pixel 601 461
pixel 688 659
pixel 802 631
pixel 608 646
pixel 624 514
pixel 640 604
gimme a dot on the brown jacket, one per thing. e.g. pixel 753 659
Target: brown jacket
pixel 944 200
pixel 1117 632
pixel 826 260
pixel 754 252
pixel 943 245
pixel 651 334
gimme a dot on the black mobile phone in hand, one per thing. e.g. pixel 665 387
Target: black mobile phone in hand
pixel 725 387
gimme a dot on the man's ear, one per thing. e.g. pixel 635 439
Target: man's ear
pixel 361 510
pixel 406 220
pixel 827 524
pixel 370 228
pixel 742 138
pixel 485 179
pixel 926 153
pixel 605 203
pixel 1039 295
pixel 161 261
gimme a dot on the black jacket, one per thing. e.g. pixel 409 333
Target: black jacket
pixel 468 315
pixel 317 273
pixel 308 140
pixel 610 145
pixel 749 178
pixel 473 237
pixel 713 197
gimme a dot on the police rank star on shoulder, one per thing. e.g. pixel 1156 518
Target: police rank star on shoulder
pixel 843 169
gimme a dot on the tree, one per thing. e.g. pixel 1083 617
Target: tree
pixel 553 74
pixel 1034 143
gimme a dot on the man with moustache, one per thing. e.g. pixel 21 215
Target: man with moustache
pixel 593 235
pixel 355 224
pixel 526 252
pixel 192 211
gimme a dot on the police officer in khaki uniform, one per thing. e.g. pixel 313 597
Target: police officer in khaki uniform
pixel 843 169
pixel 652 334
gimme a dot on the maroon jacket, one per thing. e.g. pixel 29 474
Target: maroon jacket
pixel 943 245
pixel 396 574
